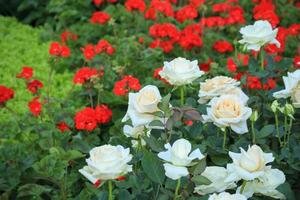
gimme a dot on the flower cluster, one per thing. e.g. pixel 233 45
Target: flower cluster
pixel 88 118
pixel 161 7
pixel 32 85
pixel 99 17
pixel 132 5
pixel 90 51
pixel 56 49
pixel 84 74
pixel 5 94
pixel 122 87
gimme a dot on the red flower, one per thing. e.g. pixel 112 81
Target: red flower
pixel 135 5
pixel 5 94
pixel 141 40
pixel 243 59
pixel 35 106
pixel 222 46
pixel 34 85
pixel 253 82
pixel 98 2
pixel 104 46
pixel 84 74
pixel 206 66
pixel 121 178
pixel 99 17
pixel 85 119
pixel 128 83
pixel 89 52
pixel 297 61
pixel 163 7
pixel 231 66
pixel 66 35
pixel 27 73
pixel 186 13
pixel 57 50
pixel 270 84
pixel 63 126
pixel 103 114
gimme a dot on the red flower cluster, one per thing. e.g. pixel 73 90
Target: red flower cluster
pixel 99 2
pixel 90 51
pixel 186 13
pixel 67 35
pixel 63 126
pixel 35 106
pixel 139 5
pixel 99 17
pixel 205 66
pixel 255 83
pixel 84 74
pixel 128 83
pixel 5 94
pixel 59 50
pixel 190 37
pixel 235 15
pixel 222 46
pixel 27 73
pixel 243 59
pixel 32 85
pixel 231 65
pixel 159 6
pixel 265 10
pixel 88 118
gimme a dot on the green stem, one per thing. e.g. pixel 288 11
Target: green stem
pixel 277 127
pixel 290 130
pixel 224 139
pixel 261 60
pixel 253 132
pixel 177 189
pixel 181 90
pixel 243 187
pixel 110 196
pixel 285 130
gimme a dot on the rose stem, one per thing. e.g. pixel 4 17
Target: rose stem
pixel 261 60
pixel 277 127
pixel 243 186
pixel 181 89
pixel 177 189
pixel 289 132
pixel 110 196
pixel 224 139
pixel 253 132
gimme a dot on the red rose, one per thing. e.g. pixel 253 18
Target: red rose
pixel 34 85
pixel 85 119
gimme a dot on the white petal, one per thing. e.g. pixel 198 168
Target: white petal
pixel 175 172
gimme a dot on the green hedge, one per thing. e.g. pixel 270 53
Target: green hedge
pixel 20 46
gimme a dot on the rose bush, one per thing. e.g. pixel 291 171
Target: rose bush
pixel 165 100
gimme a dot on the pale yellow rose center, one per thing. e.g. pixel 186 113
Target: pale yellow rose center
pixel 253 160
pixel 146 98
pixel 228 108
pixel 215 83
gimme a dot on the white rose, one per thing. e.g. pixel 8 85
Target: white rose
pixel 266 185
pixel 248 165
pixel 217 86
pixel 217 176
pixel 142 104
pixel 292 88
pixel 179 156
pixel 136 132
pixel 228 110
pixel 107 162
pixel 226 196
pixel 180 71
pixel 257 35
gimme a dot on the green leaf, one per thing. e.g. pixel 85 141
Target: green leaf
pixel 201 180
pixel 199 168
pixel 164 104
pixel 287 191
pixel 153 143
pixel 153 167
pixel 156 123
pixel 124 195
pixel 266 131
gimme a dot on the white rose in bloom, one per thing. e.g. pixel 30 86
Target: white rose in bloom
pixel 266 185
pixel 292 88
pixel 179 156
pixel 107 162
pixel 217 176
pixel 226 196
pixel 135 132
pixel 228 110
pixel 180 71
pixel 142 104
pixel 257 35
pixel 217 86
pixel 248 165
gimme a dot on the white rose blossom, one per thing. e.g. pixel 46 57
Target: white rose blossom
pixel 248 165
pixel 292 88
pixel 181 71
pixel 141 105
pixel 257 35
pixel 217 176
pixel 228 111
pixel 178 157
pixel 266 185
pixel 218 86
pixel 227 196
pixel 107 162
pixel 136 132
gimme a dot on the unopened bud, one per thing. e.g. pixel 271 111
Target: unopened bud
pixel 254 116
pixel 289 110
pixel 275 106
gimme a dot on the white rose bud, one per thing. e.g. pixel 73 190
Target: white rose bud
pixel 217 176
pixel 178 157
pixel 292 88
pixel 257 35
pixel 248 165
pixel 180 71
pixel 228 111
pixel 275 106
pixel 107 162
pixel 254 116
pixel 226 196
pixel 289 110
pixel 142 104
